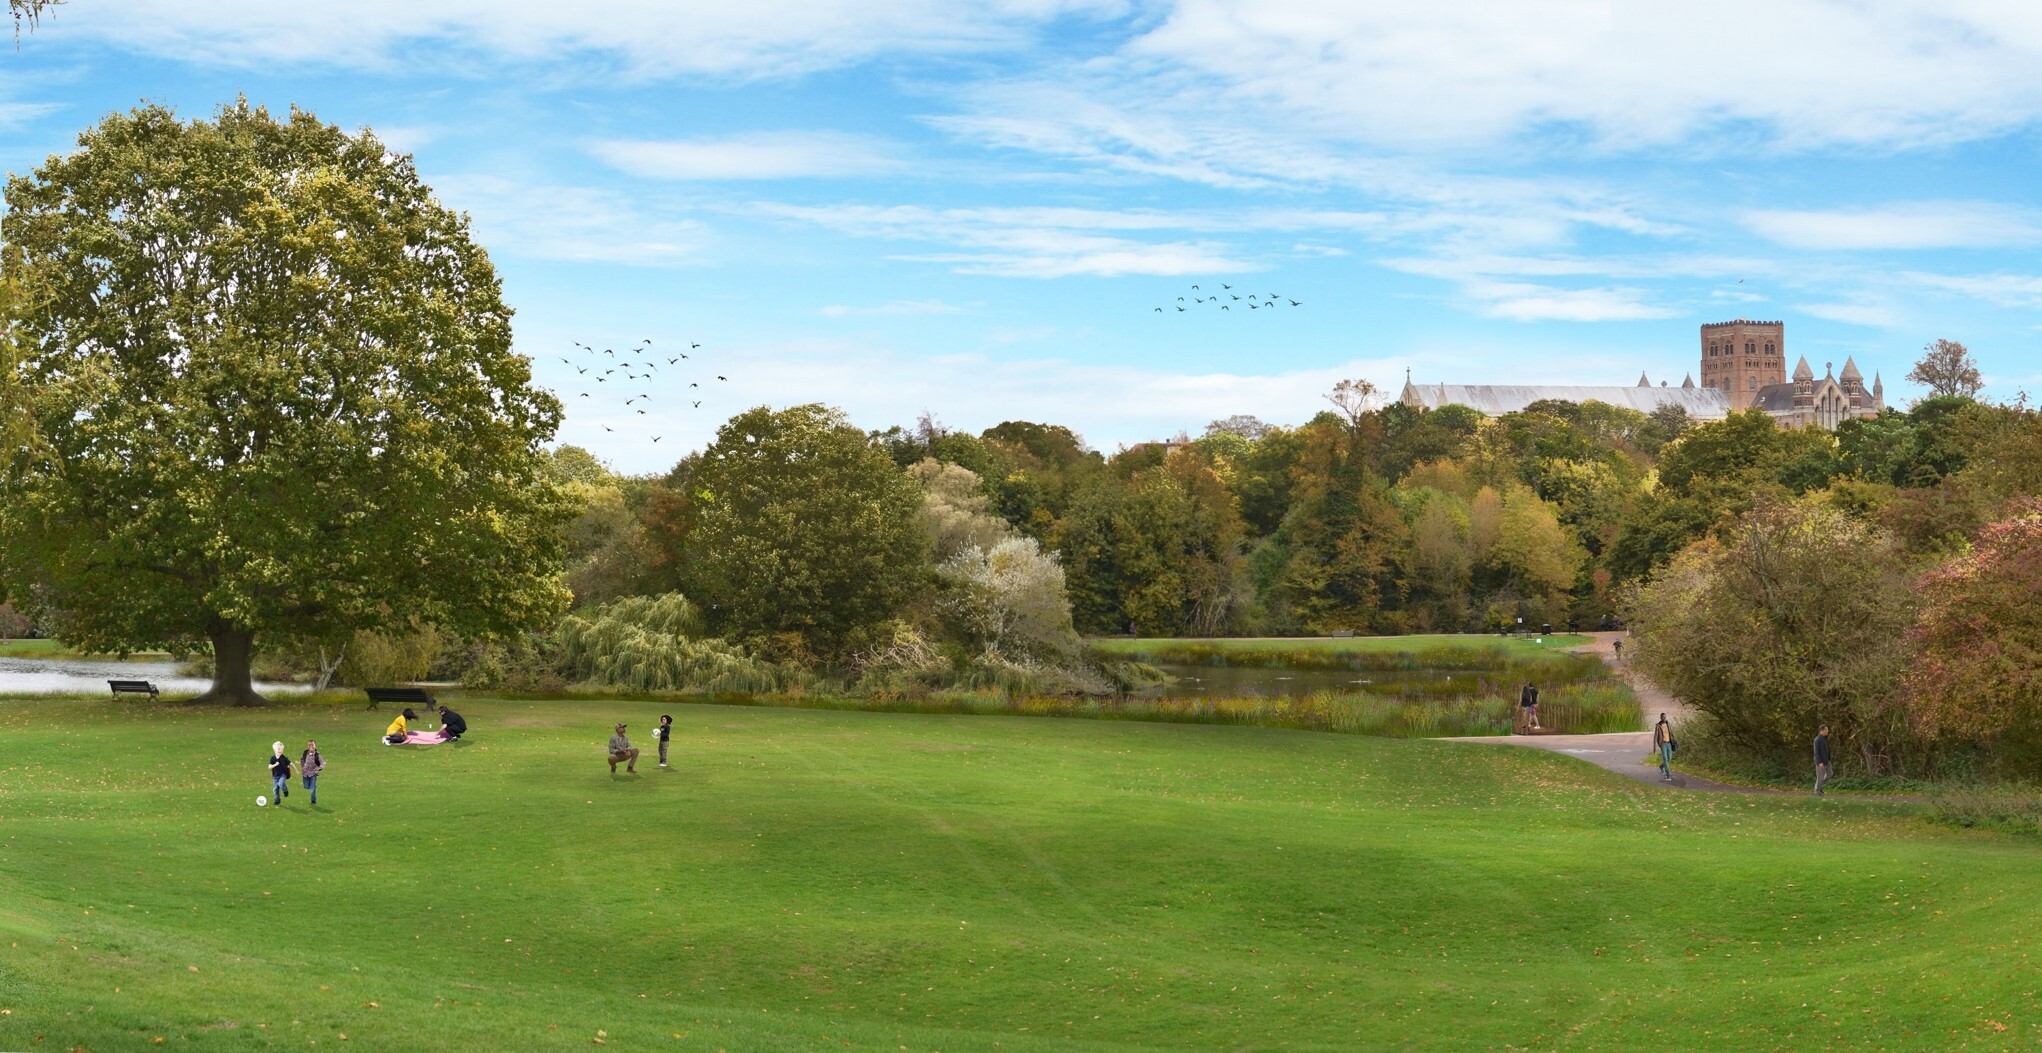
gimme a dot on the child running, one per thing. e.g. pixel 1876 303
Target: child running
pixel 310 764
pixel 279 772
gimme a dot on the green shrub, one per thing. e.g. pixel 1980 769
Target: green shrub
pixel 643 644
pixel 2018 811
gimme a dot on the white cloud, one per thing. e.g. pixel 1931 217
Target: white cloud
pixel 1909 225
pixel 575 223
pixel 759 155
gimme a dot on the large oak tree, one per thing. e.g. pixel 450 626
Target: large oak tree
pixel 273 395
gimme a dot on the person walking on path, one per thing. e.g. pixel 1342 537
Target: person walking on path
pixel 1822 768
pixel 310 764
pixel 279 772
pixel 1617 649
pixel 664 732
pixel 622 751
pixel 1662 740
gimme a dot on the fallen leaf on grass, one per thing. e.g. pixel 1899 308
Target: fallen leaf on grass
pixel 373 1005
pixel 191 968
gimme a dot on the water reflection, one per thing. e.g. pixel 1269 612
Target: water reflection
pixel 53 676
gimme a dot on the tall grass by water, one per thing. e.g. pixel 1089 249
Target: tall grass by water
pixel 1575 709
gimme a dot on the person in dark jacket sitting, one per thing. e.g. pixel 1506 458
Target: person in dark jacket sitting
pixel 451 725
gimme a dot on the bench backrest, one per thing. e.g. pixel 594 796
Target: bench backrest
pixel 398 694
pixel 131 685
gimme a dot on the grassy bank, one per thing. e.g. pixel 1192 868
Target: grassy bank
pixel 52 649
pixel 807 879
pixel 1503 659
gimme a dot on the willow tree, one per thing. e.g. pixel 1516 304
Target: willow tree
pixel 271 384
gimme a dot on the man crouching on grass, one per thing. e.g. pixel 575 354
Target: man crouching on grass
pixel 621 751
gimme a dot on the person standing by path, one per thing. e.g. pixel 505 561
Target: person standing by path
pixel 310 764
pixel 622 750
pixel 1662 739
pixel 1822 768
pixel 279 772
pixel 664 732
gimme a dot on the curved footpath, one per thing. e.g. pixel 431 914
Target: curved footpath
pixel 1623 752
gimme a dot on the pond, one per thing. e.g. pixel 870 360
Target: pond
pixel 1218 681
pixel 54 676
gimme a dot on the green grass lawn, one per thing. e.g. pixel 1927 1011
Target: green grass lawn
pixel 809 880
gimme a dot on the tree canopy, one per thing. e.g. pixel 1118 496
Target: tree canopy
pixel 797 531
pixel 273 395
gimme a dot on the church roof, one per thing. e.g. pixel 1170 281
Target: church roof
pixel 1801 370
pixel 1775 398
pixel 1850 369
pixel 1498 399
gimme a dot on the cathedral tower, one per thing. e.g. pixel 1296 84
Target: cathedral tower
pixel 1743 356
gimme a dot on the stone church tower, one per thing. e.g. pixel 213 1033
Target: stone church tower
pixel 1740 357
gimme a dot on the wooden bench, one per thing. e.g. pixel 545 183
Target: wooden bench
pixel 400 695
pixel 132 687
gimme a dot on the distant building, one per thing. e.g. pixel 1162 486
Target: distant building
pixel 1743 366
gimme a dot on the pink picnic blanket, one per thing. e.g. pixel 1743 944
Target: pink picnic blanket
pixel 420 738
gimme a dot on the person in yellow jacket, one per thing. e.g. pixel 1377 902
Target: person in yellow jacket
pixel 394 734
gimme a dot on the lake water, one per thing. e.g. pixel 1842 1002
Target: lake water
pixel 53 676
pixel 1193 681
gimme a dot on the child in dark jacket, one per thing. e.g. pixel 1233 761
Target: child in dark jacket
pixel 279 772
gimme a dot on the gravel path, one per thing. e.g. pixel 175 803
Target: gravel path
pixel 1625 752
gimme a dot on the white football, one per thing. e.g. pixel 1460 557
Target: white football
pixel 261 802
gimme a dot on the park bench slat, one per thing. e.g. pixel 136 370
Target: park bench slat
pixel 400 695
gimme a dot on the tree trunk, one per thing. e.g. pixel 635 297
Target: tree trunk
pixel 232 648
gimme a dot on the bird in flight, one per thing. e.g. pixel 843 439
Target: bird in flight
pixel 1159 310
pixel 671 361
pixel 692 347
pixel 655 438
pixel 698 404
pixel 641 413
pixel 1224 285
pixel 1224 307
pixel 1294 303
pixel 723 378
pixel 1194 287
pixel 584 394
pixel 581 369
pixel 608 428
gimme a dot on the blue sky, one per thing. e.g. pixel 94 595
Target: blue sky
pixel 898 206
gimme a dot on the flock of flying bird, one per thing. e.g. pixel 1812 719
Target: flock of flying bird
pixel 606 359
pixel 1226 298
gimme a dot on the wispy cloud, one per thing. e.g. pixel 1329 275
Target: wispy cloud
pixel 1524 302
pixel 2005 290
pixel 1907 225
pixel 898 308
pixel 1029 242
pixel 646 38
pixel 758 155
pixel 1876 316
pixel 575 223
